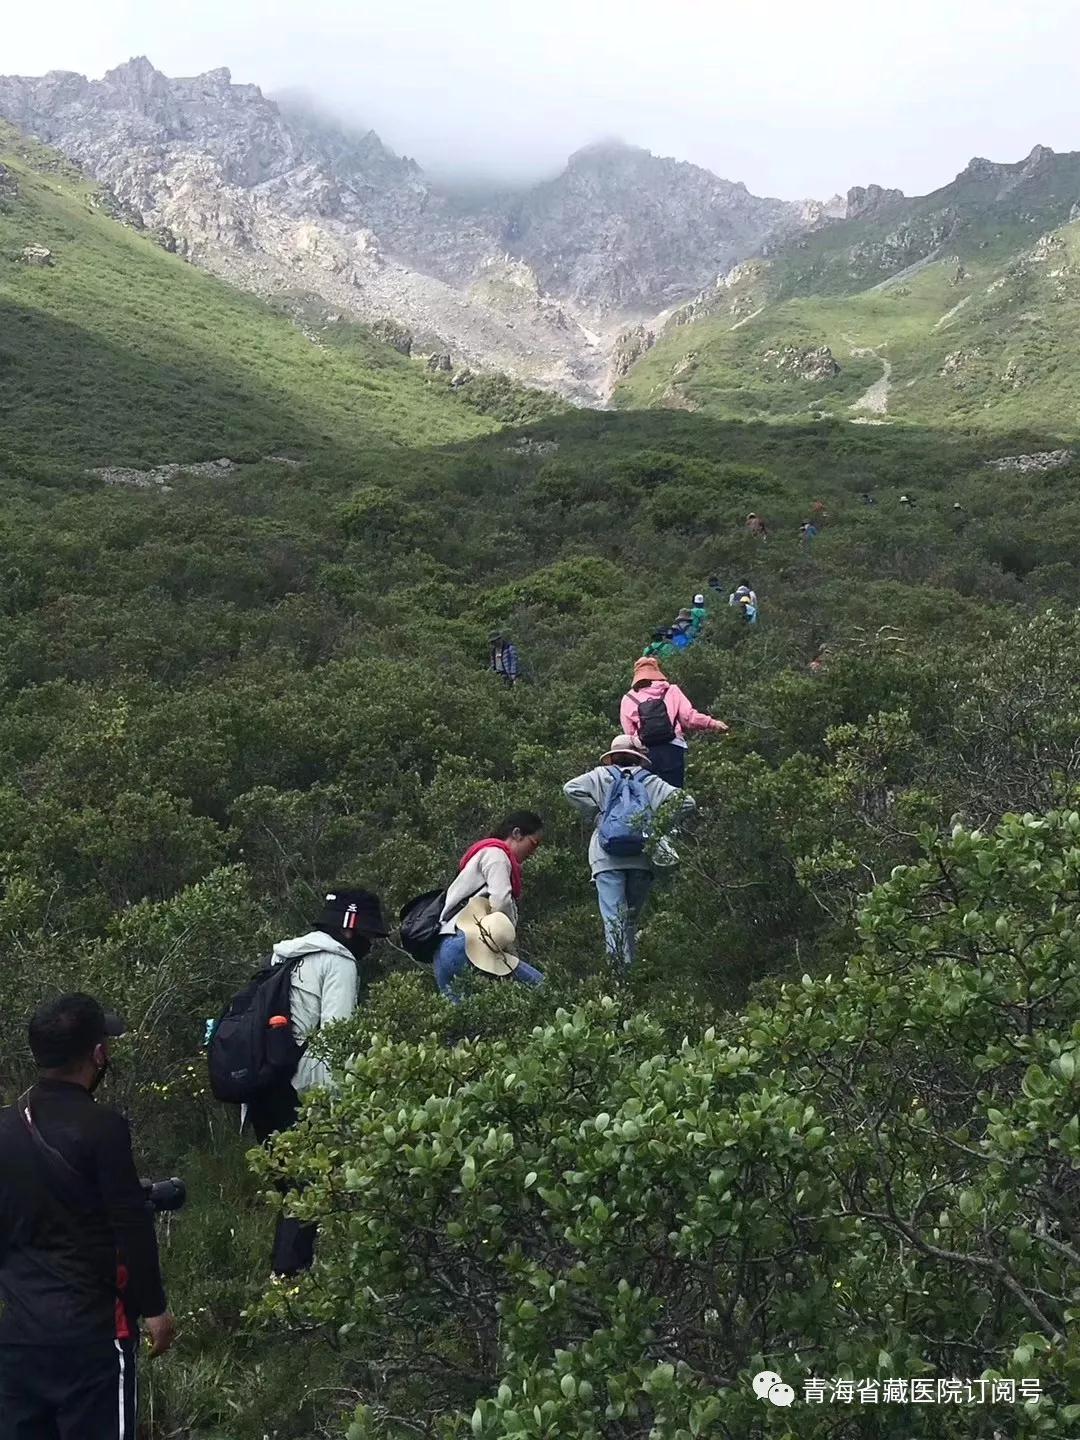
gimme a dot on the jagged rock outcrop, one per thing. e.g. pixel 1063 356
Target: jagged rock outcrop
pixel 868 201
pixel 979 168
pixel 37 255
pixel 820 212
pixel 160 475
pixel 277 198
pixel 394 334
pixel 1047 248
pixel 805 363
pixel 956 365
pixel 629 348
pixel 539 449
pixel 9 186
pixel 1031 464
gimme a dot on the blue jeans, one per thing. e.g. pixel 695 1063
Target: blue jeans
pixel 451 960
pixel 669 762
pixel 622 895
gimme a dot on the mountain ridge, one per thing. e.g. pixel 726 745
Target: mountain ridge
pixel 619 236
pixel 971 294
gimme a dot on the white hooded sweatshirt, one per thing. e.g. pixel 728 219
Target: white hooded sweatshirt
pixel 323 988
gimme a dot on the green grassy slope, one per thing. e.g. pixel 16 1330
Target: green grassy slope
pixel 121 354
pixel 971 294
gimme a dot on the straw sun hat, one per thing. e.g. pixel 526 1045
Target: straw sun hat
pixel 489 938
pixel 625 750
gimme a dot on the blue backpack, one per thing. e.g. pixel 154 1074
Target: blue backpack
pixel 626 823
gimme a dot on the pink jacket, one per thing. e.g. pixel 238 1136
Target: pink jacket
pixel 683 715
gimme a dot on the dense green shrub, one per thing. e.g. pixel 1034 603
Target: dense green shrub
pixel 586 1229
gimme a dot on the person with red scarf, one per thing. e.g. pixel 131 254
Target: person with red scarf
pixel 491 870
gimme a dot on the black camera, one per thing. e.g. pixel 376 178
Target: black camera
pixel 165 1195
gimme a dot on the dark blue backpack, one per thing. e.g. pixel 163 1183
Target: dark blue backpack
pixel 626 823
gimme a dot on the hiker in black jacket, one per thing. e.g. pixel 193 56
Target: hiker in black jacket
pixel 78 1254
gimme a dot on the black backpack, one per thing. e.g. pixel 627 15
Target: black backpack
pixel 654 723
pixel 420 920
pixel 247 1056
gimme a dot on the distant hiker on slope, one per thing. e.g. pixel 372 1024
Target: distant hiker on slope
pixel 807 533
pixel 907 502
pixel 745 600
pixel 622 798
pixel 757 527
pixel 489 870
pixel 657 645
pixel 330 971
pixel 682 631
pixel 658 716
pixel 867 498
pixel 685 621
pixel 698 612
pixel 818 515
pixel 503 659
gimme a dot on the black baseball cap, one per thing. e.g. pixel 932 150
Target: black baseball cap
pixel 66 1030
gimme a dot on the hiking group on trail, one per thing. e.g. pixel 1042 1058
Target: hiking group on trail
pixel 633 802
pixel 79 1263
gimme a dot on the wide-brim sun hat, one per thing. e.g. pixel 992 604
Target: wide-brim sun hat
pixel 489 938
pixel 625 750
pixel 647 669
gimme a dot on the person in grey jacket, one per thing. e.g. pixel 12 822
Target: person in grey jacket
pixel 324 986
pixel 623 882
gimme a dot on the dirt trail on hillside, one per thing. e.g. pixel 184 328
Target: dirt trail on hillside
pixel 747 318
pixel 876 398
pixel 906 273
pixel 950 313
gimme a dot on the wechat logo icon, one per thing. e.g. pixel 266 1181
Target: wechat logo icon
pixel 769 1386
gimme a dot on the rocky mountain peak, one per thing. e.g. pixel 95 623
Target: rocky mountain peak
pixel 867 201
pixel 279 197
pixel 135 75
pixel 979 168
pixel 1041 156
pixel 610 151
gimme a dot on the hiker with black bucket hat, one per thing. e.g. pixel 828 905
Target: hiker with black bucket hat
pixel 330 971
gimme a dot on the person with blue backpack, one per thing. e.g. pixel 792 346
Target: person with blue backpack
pixel 623 798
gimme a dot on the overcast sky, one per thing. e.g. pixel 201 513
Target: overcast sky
pixel 795 99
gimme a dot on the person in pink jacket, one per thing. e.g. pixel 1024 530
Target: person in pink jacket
pixel 658 715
